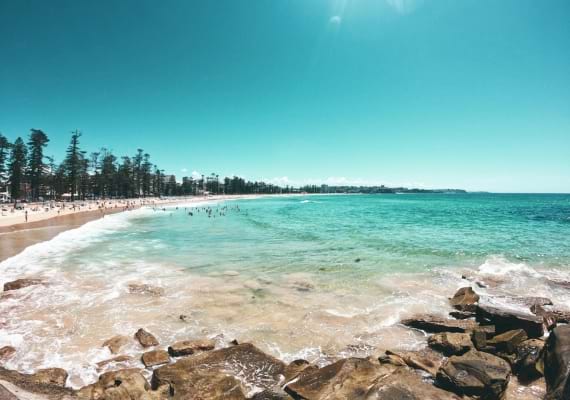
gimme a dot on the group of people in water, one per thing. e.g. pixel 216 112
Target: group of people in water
pixel 211 212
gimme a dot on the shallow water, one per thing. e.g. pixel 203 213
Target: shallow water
pixel 313 277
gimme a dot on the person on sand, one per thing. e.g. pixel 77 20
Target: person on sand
pixel 26 214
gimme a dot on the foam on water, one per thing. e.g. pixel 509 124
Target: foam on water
pixel 282 276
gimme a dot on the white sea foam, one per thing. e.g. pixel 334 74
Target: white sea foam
pixel 499 266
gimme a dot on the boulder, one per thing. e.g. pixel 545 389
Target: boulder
pixel 155 357
pixel 451 343
pixel 426 359
pixel 507 342
pixel 115 343
pixel 528 356
pixel 146 289
pixel 465 299
pixel 476 374
pixel 6 352
pixel 435 324
pixel 124 384
pixel 557 363
pixel 21 283
pixel 187 347
pixel 271 395
pixel 405 385
pixel 349 378
pixel 506 319
pixel 462 314
pixel 145 338
pixel 254 368
pixel 49 381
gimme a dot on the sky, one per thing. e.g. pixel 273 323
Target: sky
pixel 471 94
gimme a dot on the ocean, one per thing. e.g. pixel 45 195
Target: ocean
pixel 314 277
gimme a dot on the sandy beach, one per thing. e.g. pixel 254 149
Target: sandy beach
pixel 45 223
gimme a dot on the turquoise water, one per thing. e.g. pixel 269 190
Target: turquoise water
pixel 327 234
pixel 314 277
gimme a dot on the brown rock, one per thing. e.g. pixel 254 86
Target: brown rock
pixel 462 314
pixel 451 343
pixel 425 359
pixel 345 379
pixel 187 347
pixel 145 338
pixel 118 359
pixel 125 384
pixel 146 289
pixel 549 319
pixel 435 324
pixel 253 367
pixel 475 374
pixel 21 283
pixel 271 395
pixel 506 319
pixel 295 368
pixel 155 357
pixel 465 299
pixel 5 394
pixel 508 341
pixel 405 385
pixel 6 352
pixel 50 381
pixel 115 343
pixel 556 364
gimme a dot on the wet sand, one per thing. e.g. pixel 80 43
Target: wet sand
pixel 15 238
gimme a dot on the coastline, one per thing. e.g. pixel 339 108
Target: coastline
pixel 16 235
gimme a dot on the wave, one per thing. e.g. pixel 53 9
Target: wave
pixel 499 266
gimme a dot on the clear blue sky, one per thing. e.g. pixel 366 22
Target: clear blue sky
pixel 436 93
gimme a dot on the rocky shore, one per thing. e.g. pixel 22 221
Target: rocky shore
pixel 477 352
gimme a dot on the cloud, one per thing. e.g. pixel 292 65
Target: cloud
pixel 336 20
pixel 196 175
pixel 404 6
pixel 184 170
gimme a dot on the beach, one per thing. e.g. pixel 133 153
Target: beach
pixel 314 278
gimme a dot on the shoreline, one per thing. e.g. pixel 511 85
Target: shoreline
pixel 16 235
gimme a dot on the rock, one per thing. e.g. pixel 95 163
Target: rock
pixel 187 347
pixel 562 316
pixel 118 359
pixel 479 339
pixel 145 338
pixel 549 320
pixel 271 395
pixel 462 314
pixel 21 283
pixel 6 352
pixel 5 394
pixel 528 355
pixel 115 343
pixel 146 289
pixel 426 360
pixel 49 381
pixel 125 384
pixel 435 324
pixel 465 299
pixel 557 364
pixel 475 374
pixel 451 343
pixel 295 368
pixel 348 378
pixel 506 320
pixel 508 341
pixel 155 357
pixel 253 367
pixel 405 385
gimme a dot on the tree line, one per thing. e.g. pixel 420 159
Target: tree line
pixel 28 174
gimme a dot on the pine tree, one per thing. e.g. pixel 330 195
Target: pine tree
pixel 36 167
pixel 72 164
pixel 4 149
pixel 17 168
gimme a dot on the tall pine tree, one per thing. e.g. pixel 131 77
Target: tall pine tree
pixel 36 167
pixel 17 168
pixel 73 164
